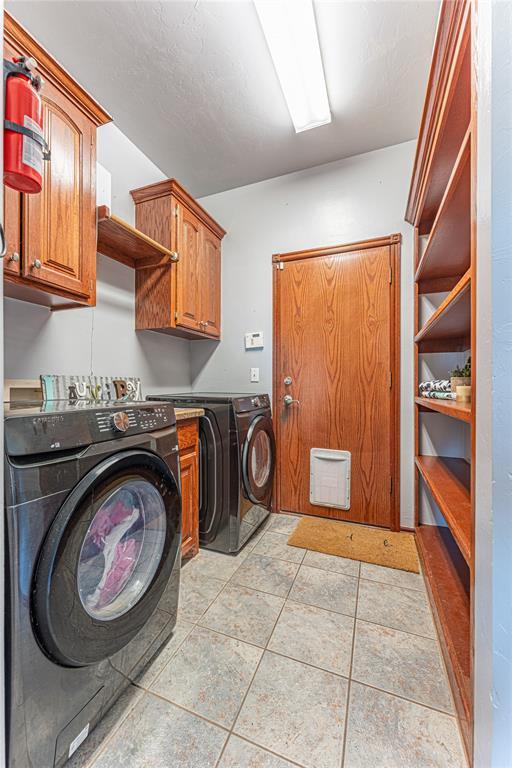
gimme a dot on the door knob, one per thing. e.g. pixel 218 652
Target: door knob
pixel 37 263
pixel 14 257
pixel 288 400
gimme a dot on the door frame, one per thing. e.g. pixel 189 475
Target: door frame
pixel 394 242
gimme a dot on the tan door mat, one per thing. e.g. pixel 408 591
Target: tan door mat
pixel 357 542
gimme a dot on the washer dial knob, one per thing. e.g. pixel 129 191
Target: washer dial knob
pixel 120 421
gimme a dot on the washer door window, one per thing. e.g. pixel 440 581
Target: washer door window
pixel 122 549
pixel 258 460
pixel 107 558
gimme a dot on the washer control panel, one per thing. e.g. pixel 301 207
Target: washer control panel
pixel 37 428
pixel 131 420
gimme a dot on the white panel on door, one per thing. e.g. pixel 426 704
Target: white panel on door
pixel 329 483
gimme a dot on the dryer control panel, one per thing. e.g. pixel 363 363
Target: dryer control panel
pixel 251 403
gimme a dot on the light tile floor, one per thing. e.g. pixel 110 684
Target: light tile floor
pixel 284 657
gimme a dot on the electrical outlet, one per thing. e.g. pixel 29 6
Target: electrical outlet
pixel 255 375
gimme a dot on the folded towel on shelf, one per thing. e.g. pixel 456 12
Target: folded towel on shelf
pixel 436 385
pixel 439 395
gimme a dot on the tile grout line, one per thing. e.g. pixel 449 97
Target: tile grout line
pixel 396 586
pixel 345 729
pixel 404 698
pixel 265 749
pixel 255 673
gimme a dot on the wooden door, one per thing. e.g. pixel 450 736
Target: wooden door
pixel 335 337
pixel 59 225
pixel 188 287
pixel 211 282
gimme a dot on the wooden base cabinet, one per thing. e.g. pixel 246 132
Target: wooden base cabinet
pixel 183 297
pixel 188 443
pixel 51 236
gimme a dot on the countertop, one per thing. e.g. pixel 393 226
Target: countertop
pixel 188 413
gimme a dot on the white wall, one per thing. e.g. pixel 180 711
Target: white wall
pixel 493 547
pixel 353 199
pixel 100 340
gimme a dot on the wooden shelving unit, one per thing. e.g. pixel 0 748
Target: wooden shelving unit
pixel 440 208
pixel 120 241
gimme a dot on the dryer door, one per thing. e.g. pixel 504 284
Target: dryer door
pixel 107 558
pixel 258 460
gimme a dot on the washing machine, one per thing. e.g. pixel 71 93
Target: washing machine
pixel 237 460
pixel 93 526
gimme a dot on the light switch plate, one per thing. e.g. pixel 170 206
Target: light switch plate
pixel 255 375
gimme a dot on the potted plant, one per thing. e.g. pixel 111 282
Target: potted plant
pixel 461 377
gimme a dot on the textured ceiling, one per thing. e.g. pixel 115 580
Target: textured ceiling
pixel 192 83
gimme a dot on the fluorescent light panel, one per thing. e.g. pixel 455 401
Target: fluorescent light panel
pixel 290 30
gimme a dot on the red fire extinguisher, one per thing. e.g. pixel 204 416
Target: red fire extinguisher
pixel 24 146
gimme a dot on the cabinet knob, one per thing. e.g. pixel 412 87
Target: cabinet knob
pixel 175 256
pixel 37 264
pixel 14 257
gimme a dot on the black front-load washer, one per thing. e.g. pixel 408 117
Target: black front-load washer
pixel 93 518
pixel 237 459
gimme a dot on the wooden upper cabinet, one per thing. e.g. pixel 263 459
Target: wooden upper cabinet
pixel 54 232
pixel 182 298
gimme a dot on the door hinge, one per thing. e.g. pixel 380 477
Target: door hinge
pixel 176 211
pixel 176 315
pixel 390 379
pixel 390 274
pixel 390 484
pixel 280 265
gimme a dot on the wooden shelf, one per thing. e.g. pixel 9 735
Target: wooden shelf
pixel 447 254
pixel 448 582
pixel 122 242
pixel 448 480
pixel 449 328
pixel 456 410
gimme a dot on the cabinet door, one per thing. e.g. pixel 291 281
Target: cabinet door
pixel 12 224
pixel 59 225
pixel 188 287
pixel 210 282
pixel 189 501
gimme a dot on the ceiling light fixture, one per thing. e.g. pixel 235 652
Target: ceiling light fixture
pixel 290 30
